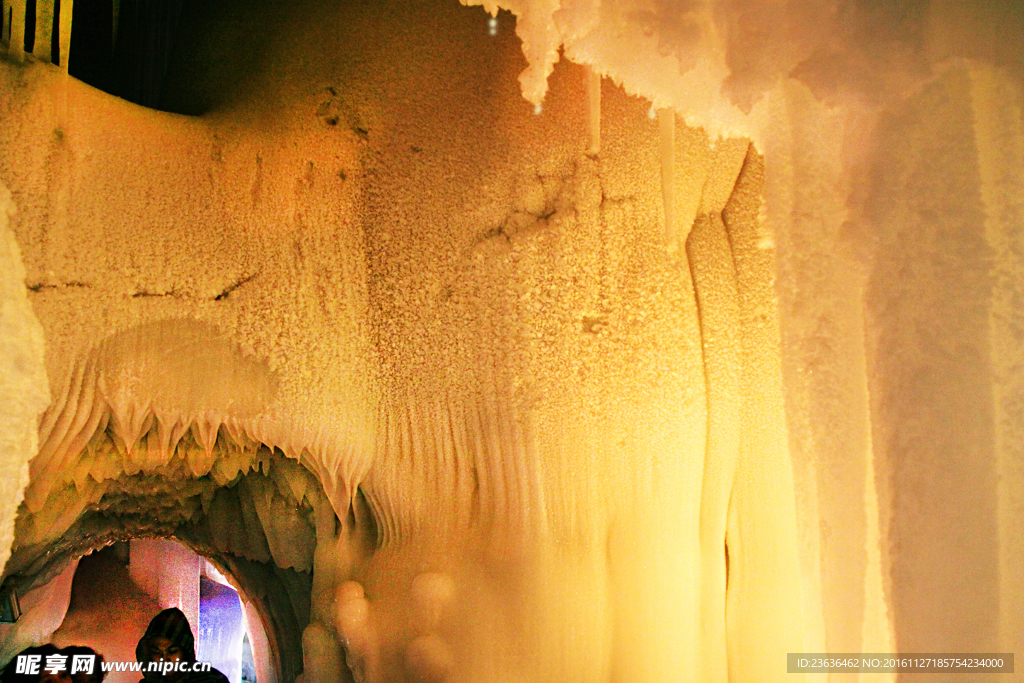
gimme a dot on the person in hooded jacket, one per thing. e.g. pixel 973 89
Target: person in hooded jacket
pixel 169 639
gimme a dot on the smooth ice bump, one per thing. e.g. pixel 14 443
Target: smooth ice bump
pixel 431 594
pixel 353 609
pixel 356 632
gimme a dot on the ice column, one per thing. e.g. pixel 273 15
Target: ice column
pixel 998 114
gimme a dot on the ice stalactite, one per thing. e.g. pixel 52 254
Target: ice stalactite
pixel 714 278
pixel 42 49
pixel 333 558
pixel 14 22
pixel 14 28
pixel 64 33
pixel 103 424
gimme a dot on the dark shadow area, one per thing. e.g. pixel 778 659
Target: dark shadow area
pixel 128 57
pixel 179 56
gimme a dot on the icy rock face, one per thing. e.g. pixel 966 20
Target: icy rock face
pixel 23 383
pixel 575 392
pixel 873 117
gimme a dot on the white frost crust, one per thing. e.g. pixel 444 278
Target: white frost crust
pixel 24 388
pixel 713 61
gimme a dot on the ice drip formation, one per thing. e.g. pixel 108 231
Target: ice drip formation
pixel 633 341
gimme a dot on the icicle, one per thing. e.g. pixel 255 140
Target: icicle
pixel 42 49
pixel 135 425
pixel 64 33
pixel 16 33
pixel 169 431
pixel 205 432
pixel 85 428
pixel 594 110
pixel 144 455
pixel 56 431
pixel 290 476
pixel 667 131
pixel 235 431
pixel 177 433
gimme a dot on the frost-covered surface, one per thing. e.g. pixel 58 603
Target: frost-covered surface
pixel 539 409
pixel 23 383
pixel 715 60
pixel 892 137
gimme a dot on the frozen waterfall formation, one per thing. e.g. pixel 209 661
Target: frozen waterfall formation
pixel 700 344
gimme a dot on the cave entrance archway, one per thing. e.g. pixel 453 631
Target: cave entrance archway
pixel 258 528
pixel 118 589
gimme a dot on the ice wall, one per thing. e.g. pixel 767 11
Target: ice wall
pixel 168 573
pixel 539 343
pixel 23 382
pixel 892 139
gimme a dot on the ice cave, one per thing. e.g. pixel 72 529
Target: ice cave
pixel 516 341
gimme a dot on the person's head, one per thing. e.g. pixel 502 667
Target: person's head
pixel 169 639
pixel 96 676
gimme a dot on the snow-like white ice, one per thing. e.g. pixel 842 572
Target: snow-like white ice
pixel 808 350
